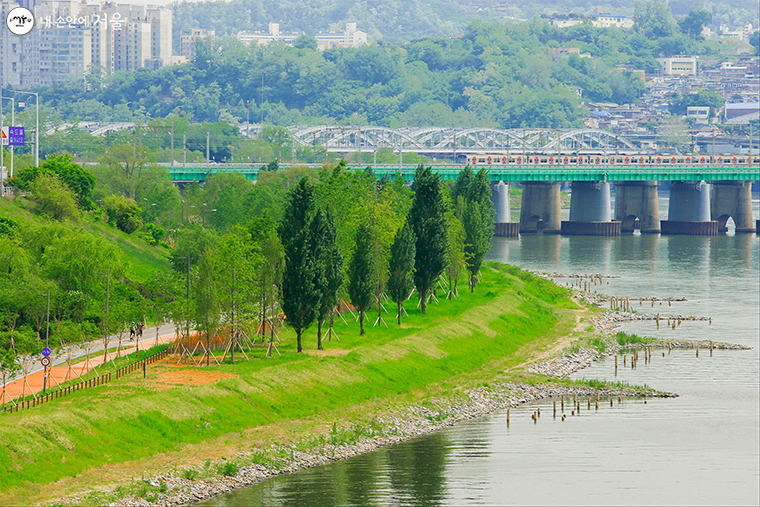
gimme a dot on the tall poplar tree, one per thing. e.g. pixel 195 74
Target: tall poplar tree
pixel 300 297
pixel 400 280
pixel 361 273
pixel 329 276
pixel 478 222
pixel 428 220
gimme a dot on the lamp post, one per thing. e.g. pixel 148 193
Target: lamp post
pixel 47 337
pixel 204 214
pixel 37 130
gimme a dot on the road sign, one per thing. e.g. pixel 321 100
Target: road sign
pixel 4 136
pixel 45 361
pixel 16 136
pixel 46 352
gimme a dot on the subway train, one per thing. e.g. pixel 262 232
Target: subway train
pixel 546 159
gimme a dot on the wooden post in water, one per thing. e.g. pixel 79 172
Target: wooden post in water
pixel 507 417
pixel 555 409
pixel 697 349
pixel 625 358
pixel 563 403
pixel 711 348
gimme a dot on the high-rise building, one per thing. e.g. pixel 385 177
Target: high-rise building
pixel 69 36
pixel 187 38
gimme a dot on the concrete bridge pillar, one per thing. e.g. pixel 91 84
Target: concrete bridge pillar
pixel 637 200
pixel 732 199
pixel 540 207
pixel 590 210
pixel 689 210
pixel 500 199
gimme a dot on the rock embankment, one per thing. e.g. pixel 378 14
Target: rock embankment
pixel 409 423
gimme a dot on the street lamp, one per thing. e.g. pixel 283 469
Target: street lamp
pixel 204 214
pixel 37 130
pixel 47 337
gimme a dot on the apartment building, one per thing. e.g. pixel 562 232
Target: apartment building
pixel 70 36
pixel 187 38
pixel 351 37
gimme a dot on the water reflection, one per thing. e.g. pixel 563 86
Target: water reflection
pixel 592 250
pixel 408 474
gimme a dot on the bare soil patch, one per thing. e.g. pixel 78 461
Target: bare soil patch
pixel 327 353
pixel 193 377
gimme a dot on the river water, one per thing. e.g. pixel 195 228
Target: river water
pixel 702 448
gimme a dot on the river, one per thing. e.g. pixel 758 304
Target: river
pixel 702 448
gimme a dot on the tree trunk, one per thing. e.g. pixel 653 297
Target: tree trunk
pixel 472 284
pixel 298 339
pixel 361 322
pixel 451 289
pixel 423 304
pixel 332 319
pixel 399 312
pixel 319 334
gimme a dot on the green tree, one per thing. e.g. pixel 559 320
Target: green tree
pixel 122 213
pixel 207 299
pixel 54 198
pixel 300 297
pixel 428 220
pixel 400 267
pixel 303 41
pixel 693 24
pixel 361 272
pixel 754 41
pixel 324 238
pixel 263 230
pixel 478 222
pixel 78 179
pixel 653 19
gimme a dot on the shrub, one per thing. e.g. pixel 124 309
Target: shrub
pixel 54 198
pixel 229 468
pixel 123 213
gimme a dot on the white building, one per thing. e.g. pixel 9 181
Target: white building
pixel 678 66
pixel 273 35
pixel 607 20
pixel 351 37
pixel 700 113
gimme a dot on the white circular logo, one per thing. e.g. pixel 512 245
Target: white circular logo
pixel 20 21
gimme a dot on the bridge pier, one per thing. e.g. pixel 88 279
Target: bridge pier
pixel 540 207
pixel 689 210
pixel 637 200
pixel 590 212
pixel 503 226
pixel 732 199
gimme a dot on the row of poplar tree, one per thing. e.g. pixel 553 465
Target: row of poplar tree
pixel 437 239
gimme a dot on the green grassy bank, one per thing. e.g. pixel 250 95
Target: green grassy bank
pixel 133 426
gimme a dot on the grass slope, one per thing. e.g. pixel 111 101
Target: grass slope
pixel 130 424
pixel 141 257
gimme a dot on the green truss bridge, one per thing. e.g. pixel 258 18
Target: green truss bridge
pixel 512 173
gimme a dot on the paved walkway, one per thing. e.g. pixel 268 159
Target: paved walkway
pixel 61 372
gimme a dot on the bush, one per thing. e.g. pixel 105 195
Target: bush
pixel 230 469
pixel 54 198
pixel 122 213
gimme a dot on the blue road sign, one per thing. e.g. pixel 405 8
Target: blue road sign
pixel 46 352
pixel 16 136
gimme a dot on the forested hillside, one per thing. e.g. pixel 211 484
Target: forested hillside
pixel 391 20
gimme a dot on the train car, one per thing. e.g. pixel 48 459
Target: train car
pixel 626 160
